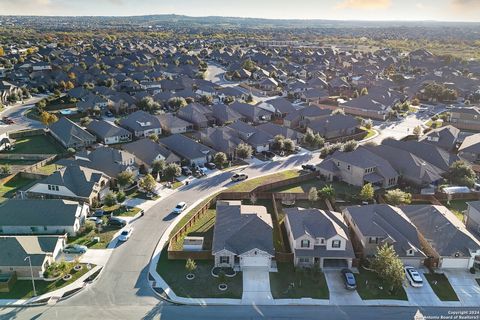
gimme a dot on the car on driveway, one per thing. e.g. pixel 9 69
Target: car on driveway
pixel 75 248
pixel 414 277
pixel 349 279
pixel 239 177
pixel 116 222
pixel 7 120
pixel 211 165
pixel 186 171
pixel 309 167
pixel 268 154
pixel 125 235
pixel 179 208
pixel 99 213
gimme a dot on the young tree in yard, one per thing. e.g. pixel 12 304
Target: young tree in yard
pixel 148 183
pixel 313 194
pixel 368 124
pixel 172 170
pixel 327 193
pixel 318 141
pixel 47 118
pixel 244 151
pixel 350 146
pixel 190 265
pixel 397 197
pixel 124 179
pixel 110 199
pixel 220 159
pixel 158 166
pixel 288 145
pixel 85 121
pixel 309 138
pixel 364 92
pixel 121 196
pixel 388 266
pixel 417 130
pixel 367 192
pixel 460 173
pixel 5 169
pixel 278 141
pixel 153 137
pixel 253 198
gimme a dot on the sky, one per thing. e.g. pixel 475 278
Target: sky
pixel 440 10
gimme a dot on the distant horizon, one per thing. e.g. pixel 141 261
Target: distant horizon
pixel 307 10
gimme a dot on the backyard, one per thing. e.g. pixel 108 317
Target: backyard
pixel 23 289
pixel 203 286
pixel 458 207
pixel 371 287
pixel 250 184
pixel 203 227
pixel 8 189
pixel 441 286
pixel 292 283
pixel 39 144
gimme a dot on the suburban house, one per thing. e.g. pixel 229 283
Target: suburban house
pixel 444 137
pixel 378 224
pixel 465 118
pixel 70 134
pixel 301 117
pixel 172 124
pixel 199 115
pixel 253 114
pixel 445 237
pixel 358 168
pixel 274 129
pixel 224 114
pixel 147 151
pixel 72 183
pixel 258 139
pixel 318 238
pixel 188 149
pixel 470 148
pixel 109 133
pixel 224 139
pixel 334 126
pixel 31 216
pixel 42 250
pixel 233 244
pixel 142 124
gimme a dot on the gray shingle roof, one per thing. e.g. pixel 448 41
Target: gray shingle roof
pixel 140 121
pixel 70 133
pixel 104 129
pixel 147 151
pixel 16 248
pixel 186 147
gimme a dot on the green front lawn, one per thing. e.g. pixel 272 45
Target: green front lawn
pixel 370 287
pixel 250 184
pixel 203 286
pixel 23 289
pixel 8 189
pixel 291 283
pixel 86 239
pixel 120 210
pixel 36 145
pixel 441 286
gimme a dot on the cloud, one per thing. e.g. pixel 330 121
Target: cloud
pixel 364 4
pixel 467 7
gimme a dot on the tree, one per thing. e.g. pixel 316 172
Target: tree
pixel 177 102
pixel 278 142
pixel 313 194
pixel 2 52
pixel 41 104
pixel 368 124
pixel 327 193
pixel 158 166
pixel 110 199
pixel 417 130
pixel 5 169
pixel 72 76
pixel 249 65
pixel 121 196
pixel 253 198
pixel 388 266
pixel 148 104
pixel 397 197
pixel 318 141
pixel 124 179
pixel 153 137
pixel 350 146
pixel 220 159
pixel 190 265
pixel 148 183
pixel 47 118
pixel 460 173
pixel 364 92
pixel 206 100
pixel 367 192
pixel 85 121
pixel 244 151
pixel 69 85
pixel 172 170
pixel 288 145
pixel 308 138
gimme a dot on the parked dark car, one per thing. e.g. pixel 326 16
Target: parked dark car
pixel 210 165
pixel 309 167
pixel 114 221
pixel 349 279
pixel 98 213
pixel 186 171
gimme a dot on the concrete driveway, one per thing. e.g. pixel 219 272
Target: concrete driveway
pixel 338 294
pixel 256 286
pixel 98 257
pixel 423 296
pixel 464 284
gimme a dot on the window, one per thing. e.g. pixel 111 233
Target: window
pixel 336 243
pixel 225 259
pixel 305 244
pixel 53 188
pixel 304 260
pixel 373 240
pixel 410 252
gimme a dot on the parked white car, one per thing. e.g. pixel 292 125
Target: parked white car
pixel 179 208
pixel 125 235
pixel 414 277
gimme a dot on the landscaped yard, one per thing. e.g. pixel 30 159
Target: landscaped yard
pixel 49 168
pixel 441 286
pixel 203 286
pixel 458 207
pixel 203 227
pixel 119 210
pixel 289 283
pixel 23 289
pixel 370 286
pixel 250 184
pixel 370 132
pixel 8 189
pixel 86 239
pixel 36 145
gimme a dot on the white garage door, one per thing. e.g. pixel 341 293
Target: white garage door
pixel 255 262
pixel 455 263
